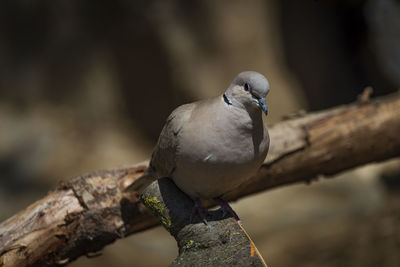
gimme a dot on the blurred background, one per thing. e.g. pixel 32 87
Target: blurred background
pixel 86 85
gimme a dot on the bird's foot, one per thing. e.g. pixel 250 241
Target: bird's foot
pixel 200 210
pixel 226 208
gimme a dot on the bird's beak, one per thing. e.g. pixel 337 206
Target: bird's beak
pixel 263 105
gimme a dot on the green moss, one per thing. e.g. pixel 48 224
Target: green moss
pixel 189 244
pixel 154 204
pixel 166 222
pixel 192 244
pixel 158 208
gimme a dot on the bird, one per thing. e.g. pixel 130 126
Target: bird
pixel 212 146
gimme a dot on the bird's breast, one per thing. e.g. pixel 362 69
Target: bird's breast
pixel 213 162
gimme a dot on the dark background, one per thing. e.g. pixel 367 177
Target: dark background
pixel 87 85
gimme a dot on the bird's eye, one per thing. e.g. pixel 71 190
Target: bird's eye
pixel 247 87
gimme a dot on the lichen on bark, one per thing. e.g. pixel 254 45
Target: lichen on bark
pixel 220 241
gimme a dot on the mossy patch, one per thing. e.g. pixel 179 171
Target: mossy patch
pixel 154 204
pixel 189 244
pixel 192 244
pixel 158 209
pixel 166 222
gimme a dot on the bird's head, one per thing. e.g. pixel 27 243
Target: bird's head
pixel 249 90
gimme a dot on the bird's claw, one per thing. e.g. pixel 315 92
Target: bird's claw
pixel 226 208
pixel 200 210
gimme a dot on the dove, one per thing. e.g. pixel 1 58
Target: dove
pixel 212 146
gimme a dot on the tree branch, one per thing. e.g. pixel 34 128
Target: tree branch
pixel 220 242
pixel 85 214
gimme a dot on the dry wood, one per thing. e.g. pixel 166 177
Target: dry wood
pixel 221 241
pixel 85 214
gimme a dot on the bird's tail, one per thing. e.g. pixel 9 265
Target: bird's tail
pixel 141 183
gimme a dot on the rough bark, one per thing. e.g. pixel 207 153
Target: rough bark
pixel 221 241
pixel 85 214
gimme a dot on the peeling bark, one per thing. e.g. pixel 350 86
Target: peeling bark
pixel 77 218
pixel 85 214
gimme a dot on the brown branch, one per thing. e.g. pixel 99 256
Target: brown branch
pixel 220 242
pixel 89 212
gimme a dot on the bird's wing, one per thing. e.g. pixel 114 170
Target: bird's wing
pixel 163 159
